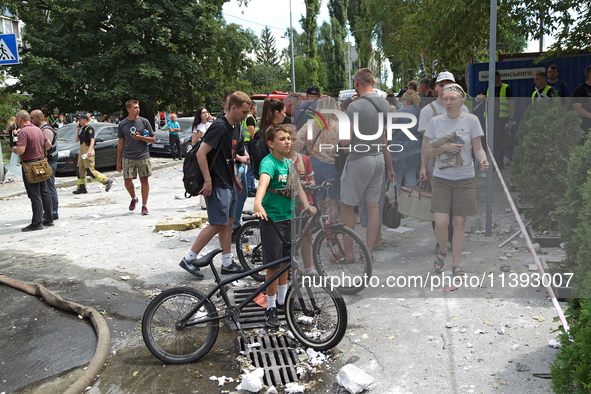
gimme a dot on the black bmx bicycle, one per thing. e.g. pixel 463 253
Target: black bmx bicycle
pixel 329 251
pixel 181 325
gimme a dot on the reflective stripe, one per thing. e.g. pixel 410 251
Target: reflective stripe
pixel 503 102
pixel 545 91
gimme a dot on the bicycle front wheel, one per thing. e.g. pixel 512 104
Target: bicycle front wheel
pixel 171 341
pixel 332 260
pixel 250 249
pixel 316 315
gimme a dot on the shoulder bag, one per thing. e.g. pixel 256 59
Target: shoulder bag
pixel 37 171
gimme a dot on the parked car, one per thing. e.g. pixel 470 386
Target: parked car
pixel 162 144
pixel 105 147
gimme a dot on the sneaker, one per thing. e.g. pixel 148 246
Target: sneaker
pixel 272 318
pixel 189 267
pixel 30 227
pixel 48 224
pixel 108 185
pixel 252 193
pixel 232 269
pixel 144 210
pixel 56 216
pixel 133 203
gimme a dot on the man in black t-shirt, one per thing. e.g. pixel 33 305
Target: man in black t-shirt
pixel 220 177
pixel 582 103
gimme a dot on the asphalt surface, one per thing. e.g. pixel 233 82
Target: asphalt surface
pixel 410 340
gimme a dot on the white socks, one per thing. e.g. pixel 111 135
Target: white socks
pixel 271 302
pixel 308 271
pixel 191 256
pixel 281 292
pixel 227 260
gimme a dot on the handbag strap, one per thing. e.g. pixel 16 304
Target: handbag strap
pixel 315 139
pixel 420 183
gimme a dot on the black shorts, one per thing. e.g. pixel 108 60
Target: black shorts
pixel 272 245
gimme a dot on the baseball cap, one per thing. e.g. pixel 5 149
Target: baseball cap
pixel 313 89
pixel 82 116
pixel 445 75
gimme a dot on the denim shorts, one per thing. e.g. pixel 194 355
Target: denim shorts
pixel 220 206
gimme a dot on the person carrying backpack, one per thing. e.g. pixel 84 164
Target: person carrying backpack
pixel 220 176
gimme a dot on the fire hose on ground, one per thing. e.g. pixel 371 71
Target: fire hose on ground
pixel 103 347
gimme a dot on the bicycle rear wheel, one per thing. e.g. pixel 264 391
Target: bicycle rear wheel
pixel 330 259
pixel 250 249
pixel 317 316
pixel 166 338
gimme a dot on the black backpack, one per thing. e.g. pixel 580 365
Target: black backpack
pixel 192 177
pixel 257 150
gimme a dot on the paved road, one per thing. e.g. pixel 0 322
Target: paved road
pixel 399 337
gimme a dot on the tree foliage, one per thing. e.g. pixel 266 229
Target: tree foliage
pixel 546 136
pixel 310 25
pixel 88 54
pixel 568 21
pixel 267 53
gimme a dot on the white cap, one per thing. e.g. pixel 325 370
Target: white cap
pixel 446 75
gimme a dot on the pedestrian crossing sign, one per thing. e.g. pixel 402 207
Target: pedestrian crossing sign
pixel 8 50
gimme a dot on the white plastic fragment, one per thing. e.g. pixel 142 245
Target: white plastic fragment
pixel 168 233
pixel 315 358
pixel 305 320
pixel 239 283
pixel 353 379
pixel 501 330
pixel 252 381
pixel 555 344
pixel 294 388
pixel 271 390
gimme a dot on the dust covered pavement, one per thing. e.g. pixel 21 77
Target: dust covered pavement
pixel 410 342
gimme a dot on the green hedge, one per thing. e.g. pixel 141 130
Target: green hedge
pixel 571 370
pixel 546 136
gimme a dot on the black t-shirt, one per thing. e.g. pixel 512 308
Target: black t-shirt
pixel 287 120
pixel 86 134
pixel 220 136
pixel 582 95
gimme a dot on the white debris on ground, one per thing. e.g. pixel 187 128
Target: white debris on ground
pixel 221 380
pixel 555 344
pixel 294 388
pixel 240 283
pixel 252 381
pixel 353 379
pixel 168 233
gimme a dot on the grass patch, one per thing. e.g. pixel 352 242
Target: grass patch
pixel 6 153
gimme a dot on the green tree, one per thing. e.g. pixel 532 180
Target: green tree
pixel 310 25
pixel 87 54
pixel 267 53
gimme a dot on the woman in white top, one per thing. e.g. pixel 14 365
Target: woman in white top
pixel 454 183
pixel 200 124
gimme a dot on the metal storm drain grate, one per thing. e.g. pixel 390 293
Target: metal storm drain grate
pixel 275 355
pixel 252 315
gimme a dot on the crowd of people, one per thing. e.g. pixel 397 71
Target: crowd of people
pixel 441 148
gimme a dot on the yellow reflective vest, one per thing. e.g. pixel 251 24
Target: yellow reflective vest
pixel 503 103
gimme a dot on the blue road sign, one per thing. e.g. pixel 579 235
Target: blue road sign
pixel 8 49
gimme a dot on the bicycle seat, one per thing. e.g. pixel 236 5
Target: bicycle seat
pixel 205 260
pixel 247 218
pixel 245 212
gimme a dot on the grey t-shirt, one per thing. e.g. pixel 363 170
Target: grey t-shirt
pixel 368 124
pixel 302 114
pixel 134 149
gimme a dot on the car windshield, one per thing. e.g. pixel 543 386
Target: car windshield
pixel 67 132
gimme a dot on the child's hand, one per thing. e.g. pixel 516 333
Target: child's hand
pixel 259 212
pixel 311 211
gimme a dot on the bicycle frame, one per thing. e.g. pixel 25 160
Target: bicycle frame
pixel 222 283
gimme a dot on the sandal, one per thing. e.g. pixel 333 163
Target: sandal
pixel 379 246
pixel 439 261
pixel 458 271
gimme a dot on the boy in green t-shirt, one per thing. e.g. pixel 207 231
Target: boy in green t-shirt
pixel 274 172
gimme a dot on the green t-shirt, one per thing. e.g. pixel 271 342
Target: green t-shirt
pixel 276 206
